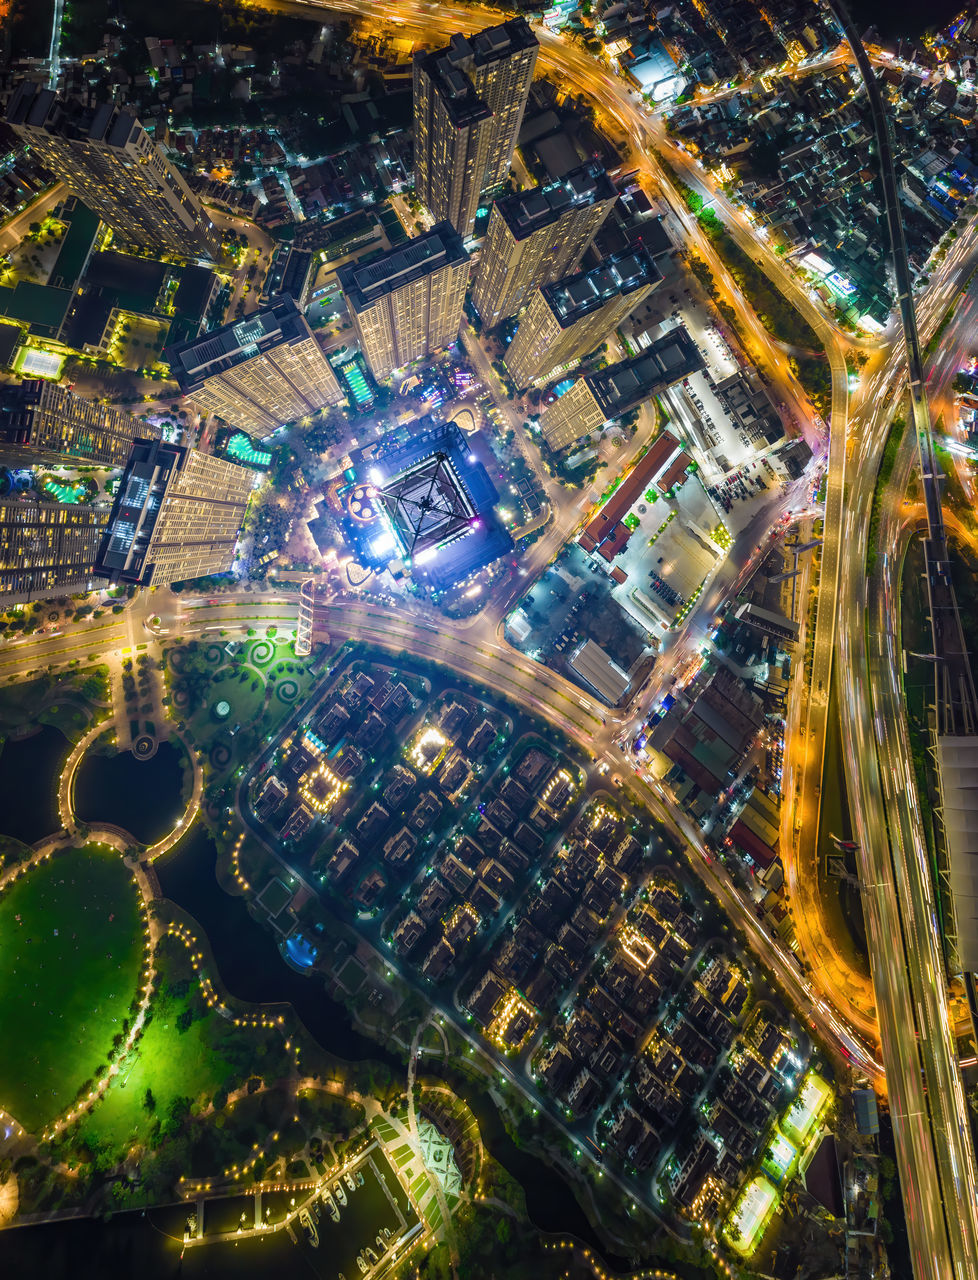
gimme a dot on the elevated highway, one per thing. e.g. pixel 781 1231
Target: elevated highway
pixel 931 1126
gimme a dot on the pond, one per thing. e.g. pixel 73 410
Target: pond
pixel 143 796
pixel 29 772
pixel 247 956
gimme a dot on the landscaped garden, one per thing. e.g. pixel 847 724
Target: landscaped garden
pixel 72 944
pixel 233 696
pixel 176 1060
pixel 67 702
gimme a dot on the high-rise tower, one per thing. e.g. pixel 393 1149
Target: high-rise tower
pixel 605 395
pixel 503 61
pixel 106 158
pixel 177 515
pixel 258 372
pixel 537 236
pixel 469 100
pixel 41 421
pixel 408 302
pixel 452 134
pixel 47 548
pixel 570 317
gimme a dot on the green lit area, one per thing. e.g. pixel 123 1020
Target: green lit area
pixel 751 1214
pixel 353 376
pixel 38 362
pixel 803 1115
pixel 71 493
pixel 242 448
pixel 780 1158
pixel 76 913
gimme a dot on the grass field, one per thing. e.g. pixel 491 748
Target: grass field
pixel 171 1064
pixel 251 693
pixel 71 948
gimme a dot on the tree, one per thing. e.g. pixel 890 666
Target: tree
pixel 149 1102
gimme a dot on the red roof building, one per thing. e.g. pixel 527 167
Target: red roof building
pixel 616 543
pixel 752 844
pixel 631 489
pixel 676 472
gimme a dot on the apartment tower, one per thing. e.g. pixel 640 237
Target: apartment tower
pixel 106 158
pixel 177 516
pixel 535 237
pixel 259 372
pixel 408 302
pixel 567 319
pixel 603 396
pixel 469 100
pixel 42 421
pixel 47 548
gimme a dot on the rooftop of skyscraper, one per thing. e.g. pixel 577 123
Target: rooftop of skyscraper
pixel 450 81
pixel 579 294
pixel 363 283
pixel 33 106
pixel 622 386
pixel 527 211
pixel 278 321
pixel 137 508
pixel 501 41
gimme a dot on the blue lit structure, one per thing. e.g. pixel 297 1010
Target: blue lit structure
pixel 419 496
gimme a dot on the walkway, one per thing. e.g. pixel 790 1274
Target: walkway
pixel 113 835
pixel 446 1216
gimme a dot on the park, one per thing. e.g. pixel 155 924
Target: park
pixel 72 946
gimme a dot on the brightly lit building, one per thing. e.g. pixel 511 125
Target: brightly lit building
pixel 598 398
pixel 41 421
pixel 469 100
pixel 259 372
pixel 407 303
pixel 311 623
pixel 47 548
pixel 567 319
pixel 106 158
pixel 418 501
pixel 535 237
pixel 176 516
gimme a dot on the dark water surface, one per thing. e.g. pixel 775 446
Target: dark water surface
pixel 29 772
pixel 141 795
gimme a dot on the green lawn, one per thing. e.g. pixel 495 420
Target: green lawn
pixel 71 711
pixel 170 1063
pixel 247 703
pixel 71 948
